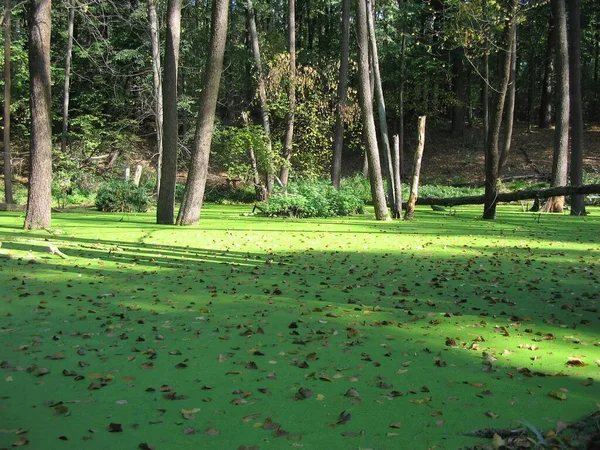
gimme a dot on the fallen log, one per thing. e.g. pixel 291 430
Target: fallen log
pixel 511 196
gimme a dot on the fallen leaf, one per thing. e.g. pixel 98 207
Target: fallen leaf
pixel 115 428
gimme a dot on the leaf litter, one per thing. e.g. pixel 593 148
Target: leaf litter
pixel 296 323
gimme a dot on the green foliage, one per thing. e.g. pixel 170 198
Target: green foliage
pixel 313 199
pixel 122 196
pixel 229 194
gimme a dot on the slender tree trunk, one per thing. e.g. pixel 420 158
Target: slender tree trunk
pixel 39 199
pixel 545 119
pixel 397 210
pixel 194 189
pixel 401 104
pixel 576 169
pixel 157 84
pixel 262 93
pixel 366 106
pixel 597 72
pixel 165 208
pixel 510 105
pixel 289 132
pixel 561 131
pixel 338 137
pixel 414 188
pixel 8 190
pixel 486 76
pixel 67 88
pixel 492 153
pixel 458 110
pixel 381 113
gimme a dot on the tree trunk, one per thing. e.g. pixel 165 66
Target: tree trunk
pixel 157 84
pixel 381 113
pixel 510 105
pixel 289 131
pixel 39 199
pixel 545 119
pixel 458 110
pixel 401 106
pixel 492 152
pixel 397 207
pixel 513 196
pixel 194 189
pixel 165 207
pixel 576 168
pixel 486 77
pixel 366 106
pixel 262 93
pixel 561 131
pixel 414 188
pixel 67 87
pixel 342 93
pixel 8 190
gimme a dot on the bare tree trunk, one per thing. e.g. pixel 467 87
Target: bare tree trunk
pixel 289 132
pixel 380 101
pixel 397 207
pixel 561 131
pixel 8 190
pixel 414 188
pixel 262 94
pixel 191 205
pixel 576 169
pixel 39 199
pixel 261 192
pixel 401 105
pixel 486 76
pixel 157 84
pixel 338 137
pixel 366 106
pixel 67 88
pixel 545 118
pixel 492 153
pixel 510 105
pixel 165 207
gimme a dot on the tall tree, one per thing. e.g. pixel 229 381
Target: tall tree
pixel 157 84
pixel 366 106
pixel 510 105
pixel 165 208
pixel 67 85
pixel 291 88
pixel 492 149
pixel 576 168
pixel 561 130
pixel 8 190
pixel 194 189
pixel 342 95
pixel 262 93
pixel 39 198
pixel 381 112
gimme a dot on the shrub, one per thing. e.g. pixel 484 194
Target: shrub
pixel 313 199
pixel 122 196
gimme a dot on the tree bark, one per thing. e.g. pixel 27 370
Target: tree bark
pixel 513 196
pixel 414 188
pixel 486 76
pixel 8 190
pixel 545 118
pixel 381 112
pixel 397 209
pixel 576 168
pixel 492 153
pixel 561 130
pixel 157 84
pixel 401 106
pixel 342 94
pixel 67 86
pixel 262 93
pixel 191 205
pixel 39 199
pixel 289 131
pixel 165 208
pixel 366 106
pixel 510 105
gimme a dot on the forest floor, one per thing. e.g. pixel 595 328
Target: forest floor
pixel 343 333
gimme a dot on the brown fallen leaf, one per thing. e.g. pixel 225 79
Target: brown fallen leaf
pixel 115 428
pixel 20 442
pixel 303 394
pixel 345 416
pixel 491 415
pixel 211 431
pixel 145 446
pixel 250 417
pixel 395 425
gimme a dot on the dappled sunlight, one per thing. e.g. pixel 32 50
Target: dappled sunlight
pixel 299 323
